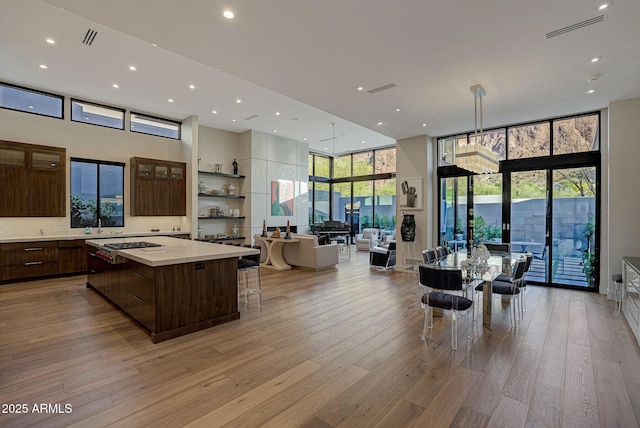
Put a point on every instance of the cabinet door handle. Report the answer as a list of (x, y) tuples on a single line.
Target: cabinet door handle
[(92, 254), (33, 249), (32, 263), (137, 274), (138, 298)]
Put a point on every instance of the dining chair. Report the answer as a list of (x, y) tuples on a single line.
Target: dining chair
[(429, 256), (441, 252), (508, 288), (444, 289), (522, 284)]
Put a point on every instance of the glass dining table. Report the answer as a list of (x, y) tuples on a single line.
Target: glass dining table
[(475, 275)]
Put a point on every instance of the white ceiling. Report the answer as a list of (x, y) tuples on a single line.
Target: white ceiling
[(305, 59)]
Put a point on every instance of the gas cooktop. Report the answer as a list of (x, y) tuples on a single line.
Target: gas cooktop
[(131, 245)]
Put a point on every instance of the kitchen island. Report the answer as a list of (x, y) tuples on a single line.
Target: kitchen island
[(171, 289)]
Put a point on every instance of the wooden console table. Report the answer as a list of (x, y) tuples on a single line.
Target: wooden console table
[(275, 260)]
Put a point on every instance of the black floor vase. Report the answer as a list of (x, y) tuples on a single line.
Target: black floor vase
[(408, 228)]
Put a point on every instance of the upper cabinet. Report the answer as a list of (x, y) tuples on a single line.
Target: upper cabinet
[(158, 188), (33, 180)]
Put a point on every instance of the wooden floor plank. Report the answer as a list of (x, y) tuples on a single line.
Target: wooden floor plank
[(331, 348), (580, 401)]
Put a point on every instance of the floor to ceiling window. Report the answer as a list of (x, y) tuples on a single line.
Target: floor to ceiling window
[(544, 200), (357, 188)]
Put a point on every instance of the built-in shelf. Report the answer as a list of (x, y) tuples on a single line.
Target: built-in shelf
[(210, 195), (219, 174), (219, 217)]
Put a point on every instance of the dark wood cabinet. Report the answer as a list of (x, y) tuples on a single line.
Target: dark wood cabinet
[(47, 188), (30, 259), (158, 188), (141, 294), (71, 256), (33, 180)]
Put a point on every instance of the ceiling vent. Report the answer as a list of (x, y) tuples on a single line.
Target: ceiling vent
[(89, 37), (381, 88), (573, 27), (251, 117)]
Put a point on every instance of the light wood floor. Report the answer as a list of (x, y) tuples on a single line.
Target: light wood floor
[(338, 348)]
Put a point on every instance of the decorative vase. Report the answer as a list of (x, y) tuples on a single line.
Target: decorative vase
[(231, 189), (202, 187), (408, 228)]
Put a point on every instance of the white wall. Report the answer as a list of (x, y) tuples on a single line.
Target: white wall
[(623, 202), (414, 158), (274, 158), (91, 142)]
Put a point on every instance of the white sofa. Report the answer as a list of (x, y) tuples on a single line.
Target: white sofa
[(306, 253), (366, 240)]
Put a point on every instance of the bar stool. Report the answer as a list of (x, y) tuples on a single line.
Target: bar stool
[(617, 282), (247, 265)]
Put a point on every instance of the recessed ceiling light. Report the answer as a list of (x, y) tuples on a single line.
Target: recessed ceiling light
[(238, 100), (51, 41), (30, 106), (596, 59), (154, 45), (170, 100), (304, 139), (360, 88), (275, 131), (115, 85), (233, 120), (277, 113), (132, 68), (379, 123), (591, 91), (43, 66), (228, 14), (593, 77), (326, 148), (424, 124), (214, 111), (604, 6), (363, 141), (397, 109), (192, 86)]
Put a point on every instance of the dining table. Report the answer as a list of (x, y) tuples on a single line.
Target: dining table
[(497, 265)]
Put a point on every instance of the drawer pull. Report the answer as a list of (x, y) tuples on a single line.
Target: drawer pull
[(33, 249), (32, 263), (137, 274)]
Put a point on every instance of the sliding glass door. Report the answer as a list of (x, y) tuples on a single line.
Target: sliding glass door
[(574, 224), (528, 222)]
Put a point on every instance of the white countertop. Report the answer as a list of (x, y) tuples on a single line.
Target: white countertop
[(105, 235), (175, 251)]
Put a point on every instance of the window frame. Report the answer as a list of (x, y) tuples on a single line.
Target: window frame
[(36, 92), (104, 106), (98, 163), (156, 119)]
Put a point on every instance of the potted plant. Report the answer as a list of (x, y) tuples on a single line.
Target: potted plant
[(589, 266), (458, 232)]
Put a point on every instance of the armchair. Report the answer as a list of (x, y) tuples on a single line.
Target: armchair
[(383, 258), (366, 240)]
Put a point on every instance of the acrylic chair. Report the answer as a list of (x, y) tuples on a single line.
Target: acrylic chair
[(247, 265), (444, 289), (508, 288)]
